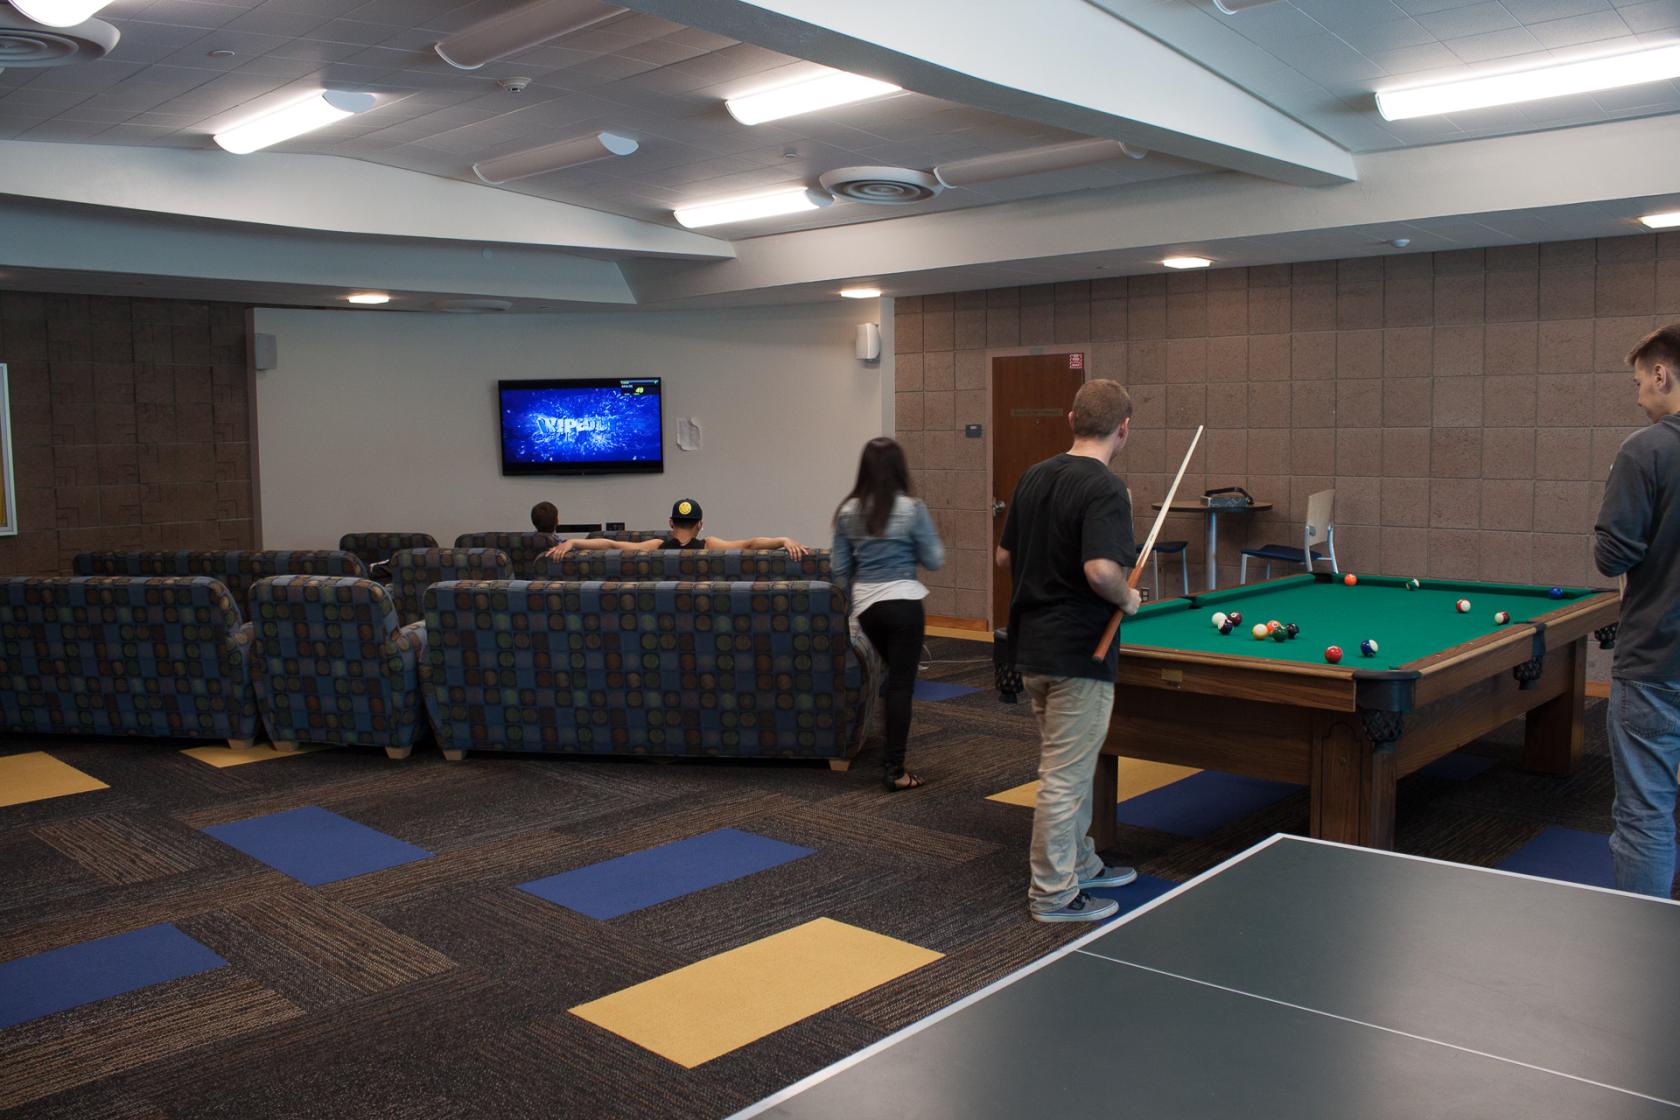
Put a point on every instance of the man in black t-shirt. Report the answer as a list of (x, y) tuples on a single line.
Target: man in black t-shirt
[(1067, 541)]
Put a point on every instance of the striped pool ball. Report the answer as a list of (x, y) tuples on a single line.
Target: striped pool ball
[(1368, 648), (1333, 654), (1412, 585), (1464, 606), (1500, 618)]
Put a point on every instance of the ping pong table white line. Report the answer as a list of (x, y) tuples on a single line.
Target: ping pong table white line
[(946, 1012), (1385, 1030), (1478, 867)]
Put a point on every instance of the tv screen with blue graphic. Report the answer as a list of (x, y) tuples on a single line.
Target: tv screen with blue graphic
[(604, 425)]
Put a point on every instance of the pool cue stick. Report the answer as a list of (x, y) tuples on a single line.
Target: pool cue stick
[(1148, 545)]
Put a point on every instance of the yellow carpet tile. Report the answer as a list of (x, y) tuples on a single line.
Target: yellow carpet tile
[(223, 757), (706, 1009), (1136, 778), (37, 775)]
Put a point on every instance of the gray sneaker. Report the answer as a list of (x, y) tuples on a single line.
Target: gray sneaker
[(1083, 908), (1109, 877)]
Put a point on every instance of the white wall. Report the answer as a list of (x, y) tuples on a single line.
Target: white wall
[(388, 421)]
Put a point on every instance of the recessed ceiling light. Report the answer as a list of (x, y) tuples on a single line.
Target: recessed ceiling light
[(1186, 262), (861, 293), (1556, 79), (369, 298), (808, 96), (59, 13), (745, 209), (315, 111), (1667, 220)]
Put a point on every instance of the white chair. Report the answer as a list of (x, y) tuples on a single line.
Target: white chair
[(1319, 530)]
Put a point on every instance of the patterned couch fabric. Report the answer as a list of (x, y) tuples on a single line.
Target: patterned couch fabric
[(701, 565), (630, 535), (331, 664), (415, 569), (522, 548), (375, 548), (738, 669), (162, 656), (238, 569)]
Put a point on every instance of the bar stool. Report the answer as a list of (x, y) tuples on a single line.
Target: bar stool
[(1171, 547)]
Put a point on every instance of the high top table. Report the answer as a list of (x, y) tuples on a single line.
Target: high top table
[(1212, 513)]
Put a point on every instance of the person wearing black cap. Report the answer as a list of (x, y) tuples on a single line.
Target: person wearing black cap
[(686, 533)]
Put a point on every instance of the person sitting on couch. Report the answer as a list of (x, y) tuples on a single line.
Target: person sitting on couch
[(686, 527)]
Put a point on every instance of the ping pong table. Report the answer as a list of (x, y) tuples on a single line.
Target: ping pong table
[(1306, 979)]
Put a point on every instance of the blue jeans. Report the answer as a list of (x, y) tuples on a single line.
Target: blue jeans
[(1644, 724)]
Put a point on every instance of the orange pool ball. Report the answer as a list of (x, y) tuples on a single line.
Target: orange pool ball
[(1350, 579)]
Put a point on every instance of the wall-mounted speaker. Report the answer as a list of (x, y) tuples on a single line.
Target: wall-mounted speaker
[(265, 352), (868, 342)]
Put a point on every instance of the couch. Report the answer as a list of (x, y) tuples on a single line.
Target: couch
[(376, 548), (237, 569), (722, 669), (522, 548), (683, 564), (415, 569), (332, 664), (166, 656)]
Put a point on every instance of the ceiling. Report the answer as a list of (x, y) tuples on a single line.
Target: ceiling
[(1264, 142)]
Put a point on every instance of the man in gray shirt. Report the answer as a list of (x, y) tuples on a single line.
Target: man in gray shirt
[(1637, 537)]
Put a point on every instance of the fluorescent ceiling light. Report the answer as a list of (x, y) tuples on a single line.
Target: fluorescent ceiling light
[(745, 209), (1232, 7), (806, 97), (59, 13), (861, 293), (372, 299), (1554, 80), (1186, 262), (553, 157), (525, 27), (315, 111), (1668, 220)]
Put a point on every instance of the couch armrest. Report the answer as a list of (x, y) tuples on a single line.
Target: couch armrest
[(407, 651)]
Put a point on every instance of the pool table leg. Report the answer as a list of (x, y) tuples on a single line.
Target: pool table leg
[(1352, 783), (1552, 732), (1105, 793)]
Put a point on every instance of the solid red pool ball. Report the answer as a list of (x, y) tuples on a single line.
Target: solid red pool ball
[(1350, 579), (1333, 654)]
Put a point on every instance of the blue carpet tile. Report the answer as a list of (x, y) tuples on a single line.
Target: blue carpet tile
[(1567, 854), (1458, 767), (1139, 891), (642, 879), (315, 846), (1201, 803), (939, 690), (64, 978)]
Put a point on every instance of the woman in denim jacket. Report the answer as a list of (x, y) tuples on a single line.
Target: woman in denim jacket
[(880, 534)]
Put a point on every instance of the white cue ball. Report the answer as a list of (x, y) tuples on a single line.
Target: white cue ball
[(1218, 619)]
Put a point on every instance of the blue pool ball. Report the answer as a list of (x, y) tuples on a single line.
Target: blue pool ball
[(1368, 648), (1556, 592)]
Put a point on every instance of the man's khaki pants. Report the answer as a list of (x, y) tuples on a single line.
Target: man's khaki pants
[(1072, 723)]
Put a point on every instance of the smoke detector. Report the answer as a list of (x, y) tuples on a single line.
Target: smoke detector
[(26, 44), (882, 186), (472, 306)]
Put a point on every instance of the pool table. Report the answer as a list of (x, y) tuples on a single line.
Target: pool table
[(1187, 694)]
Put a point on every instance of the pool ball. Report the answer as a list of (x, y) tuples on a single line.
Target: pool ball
[(1333, 654), (1412, 585), (1225, 627), (1463, 606), (1273, 624), (1368, 648), (1235, 617), (1280, 635), (1218, 619), (1294, 630), (1350, 579), (1500, 618), (1556, 592), (1260, 631)]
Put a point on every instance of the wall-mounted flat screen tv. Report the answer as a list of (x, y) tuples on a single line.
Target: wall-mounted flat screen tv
[(597, 425)]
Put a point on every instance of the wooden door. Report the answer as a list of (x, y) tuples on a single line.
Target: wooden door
[(1031, 397)]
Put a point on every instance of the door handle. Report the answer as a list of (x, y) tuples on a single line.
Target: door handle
[(998, 505)]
